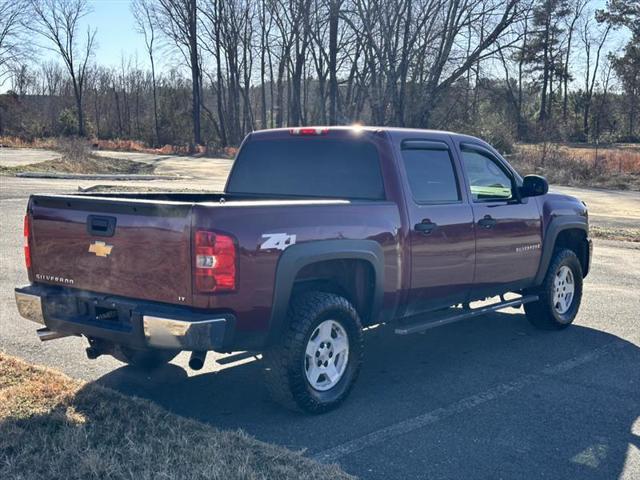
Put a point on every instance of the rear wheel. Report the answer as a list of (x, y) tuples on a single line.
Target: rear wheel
[(560, 293), (318, 359), (143, 359)]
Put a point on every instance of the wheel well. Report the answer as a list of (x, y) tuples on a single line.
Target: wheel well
[(351, 278), (575, 239)]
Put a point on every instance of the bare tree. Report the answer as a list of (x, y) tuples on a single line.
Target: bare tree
[(578, 11), (334, 19), (462, 64), (57, 21), (591, 37), (178, 20), (516, 63), (144, 14), (12, 45)]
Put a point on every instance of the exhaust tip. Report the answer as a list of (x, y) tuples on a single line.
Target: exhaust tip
[(196, 361), (44, 334)]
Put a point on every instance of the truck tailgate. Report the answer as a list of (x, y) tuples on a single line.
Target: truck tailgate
[(133, 248)]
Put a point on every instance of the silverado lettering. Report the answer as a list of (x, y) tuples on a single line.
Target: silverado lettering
[(54, 279)]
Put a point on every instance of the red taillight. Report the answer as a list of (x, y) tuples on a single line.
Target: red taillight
[(308, 131), (27, 249), (214, 262)]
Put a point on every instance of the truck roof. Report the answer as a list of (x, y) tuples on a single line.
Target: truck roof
[(393, 131)]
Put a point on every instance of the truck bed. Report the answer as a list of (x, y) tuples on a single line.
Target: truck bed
[(148, 255)]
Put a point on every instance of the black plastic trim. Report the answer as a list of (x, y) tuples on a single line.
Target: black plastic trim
[(420, 144), (296, 257), (113, 205), (557, 225)]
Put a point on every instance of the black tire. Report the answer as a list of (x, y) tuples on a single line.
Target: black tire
[(286, 362), (143, 359), (543, 313)]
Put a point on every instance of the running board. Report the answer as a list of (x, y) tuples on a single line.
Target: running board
[(452, 317)]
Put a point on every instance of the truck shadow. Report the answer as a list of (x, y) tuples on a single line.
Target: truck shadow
[(504, 395)]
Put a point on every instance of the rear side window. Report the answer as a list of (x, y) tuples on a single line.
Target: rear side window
[(308, 167), (431, 176)]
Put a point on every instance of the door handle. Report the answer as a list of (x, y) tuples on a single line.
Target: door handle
[(425, 227), (487, 222)]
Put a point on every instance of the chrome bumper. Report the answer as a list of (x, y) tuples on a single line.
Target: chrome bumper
[(200, 335), (30, 307), (182, 330)]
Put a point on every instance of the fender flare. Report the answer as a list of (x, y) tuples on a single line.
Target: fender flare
[(298, 256), (557, 225)]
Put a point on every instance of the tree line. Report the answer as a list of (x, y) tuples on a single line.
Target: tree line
[(504, 69)]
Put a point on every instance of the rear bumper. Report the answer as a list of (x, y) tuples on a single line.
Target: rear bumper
[(124, 321)]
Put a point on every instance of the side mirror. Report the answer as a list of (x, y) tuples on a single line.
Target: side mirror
[(533, 186)]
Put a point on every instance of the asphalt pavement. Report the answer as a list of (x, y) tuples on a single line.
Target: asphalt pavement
[(487, 398)]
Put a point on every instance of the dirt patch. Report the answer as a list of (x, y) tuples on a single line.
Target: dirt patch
[(612, 233), (76, 158), (135, 189), (52, 426)]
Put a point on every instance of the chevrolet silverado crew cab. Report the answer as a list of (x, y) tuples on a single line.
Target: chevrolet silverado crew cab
[(319, 233)]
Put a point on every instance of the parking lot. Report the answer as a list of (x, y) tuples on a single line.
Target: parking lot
[(487, 398)]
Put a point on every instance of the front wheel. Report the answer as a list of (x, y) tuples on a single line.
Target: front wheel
[(317, 361), (560, 293)]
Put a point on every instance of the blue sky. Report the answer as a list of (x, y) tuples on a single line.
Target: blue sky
[(117, 33)]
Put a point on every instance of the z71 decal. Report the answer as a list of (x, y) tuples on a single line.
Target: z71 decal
[(279, 241)]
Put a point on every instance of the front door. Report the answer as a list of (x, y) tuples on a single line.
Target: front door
[(441, 236), (508, 230)]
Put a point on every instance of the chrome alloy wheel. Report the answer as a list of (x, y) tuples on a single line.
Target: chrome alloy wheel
[(563, 290), (326, 355)]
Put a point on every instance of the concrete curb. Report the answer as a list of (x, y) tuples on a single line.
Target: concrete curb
[(97, 176)]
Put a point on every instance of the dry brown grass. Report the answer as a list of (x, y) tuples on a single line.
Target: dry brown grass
[(137, 146), (87, 165), (616, 167), (52, 426), (121, 145), (124, 145), (17, 142), (613, 233)]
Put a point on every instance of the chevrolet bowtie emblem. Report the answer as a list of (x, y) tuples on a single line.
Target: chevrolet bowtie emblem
[(101, 249)]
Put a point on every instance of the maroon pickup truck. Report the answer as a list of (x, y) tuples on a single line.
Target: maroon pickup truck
[(320, 232)]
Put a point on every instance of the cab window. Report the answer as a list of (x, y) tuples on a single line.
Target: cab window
[(431, 175), (487, 178)]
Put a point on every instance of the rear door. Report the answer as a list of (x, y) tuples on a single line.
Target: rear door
[(508, 230), (139, 249), (441, 226)]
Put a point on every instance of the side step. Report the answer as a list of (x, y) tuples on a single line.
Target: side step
[(458, 314)]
